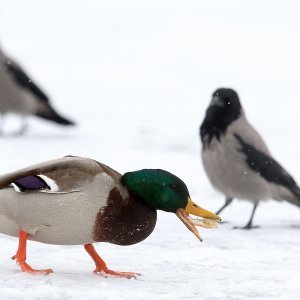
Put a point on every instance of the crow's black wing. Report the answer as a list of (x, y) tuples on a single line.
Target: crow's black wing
[(267, 167)]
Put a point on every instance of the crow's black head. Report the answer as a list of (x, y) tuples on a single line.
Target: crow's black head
[(224, 108)]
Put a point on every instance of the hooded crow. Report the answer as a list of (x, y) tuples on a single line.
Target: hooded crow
[(236, 159)]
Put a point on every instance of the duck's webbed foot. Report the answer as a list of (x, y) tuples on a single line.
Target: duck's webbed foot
[(101, 267), (110, 273), (20, 257)]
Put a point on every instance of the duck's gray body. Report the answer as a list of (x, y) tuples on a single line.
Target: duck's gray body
[(67, 213), (20, 95)]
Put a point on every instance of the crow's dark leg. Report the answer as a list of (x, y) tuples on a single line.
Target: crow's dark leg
[(228, 201), (249, 224)]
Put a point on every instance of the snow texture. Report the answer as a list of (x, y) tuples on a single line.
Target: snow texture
[(137, 76)]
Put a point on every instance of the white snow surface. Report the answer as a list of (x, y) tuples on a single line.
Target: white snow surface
[(137, 76)]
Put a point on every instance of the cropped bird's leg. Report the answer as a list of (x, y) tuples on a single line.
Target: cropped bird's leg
[(2, 123), (23, 127), (20, 257), (227, 202), (101, 267)]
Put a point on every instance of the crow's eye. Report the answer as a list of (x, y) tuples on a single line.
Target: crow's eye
[(227, 102)]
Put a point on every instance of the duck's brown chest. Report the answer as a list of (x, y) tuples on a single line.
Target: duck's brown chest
[(124, 223)]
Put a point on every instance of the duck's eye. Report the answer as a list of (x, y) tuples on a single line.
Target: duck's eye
[(174, 186)]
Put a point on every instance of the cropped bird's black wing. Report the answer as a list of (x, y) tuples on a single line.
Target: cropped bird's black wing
[(23, 80), (44, 109)]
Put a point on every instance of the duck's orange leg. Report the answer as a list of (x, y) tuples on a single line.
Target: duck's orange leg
[(20, 257), (101, 267)]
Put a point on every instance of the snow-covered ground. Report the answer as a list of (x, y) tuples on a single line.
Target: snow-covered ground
[(137, 75)]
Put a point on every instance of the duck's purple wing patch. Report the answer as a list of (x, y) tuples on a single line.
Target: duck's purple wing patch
[(31, 183)]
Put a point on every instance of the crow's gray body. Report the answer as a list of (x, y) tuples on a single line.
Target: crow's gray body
[(229, 172)]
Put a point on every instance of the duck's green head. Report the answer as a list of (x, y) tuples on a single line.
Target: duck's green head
[(164, 191)]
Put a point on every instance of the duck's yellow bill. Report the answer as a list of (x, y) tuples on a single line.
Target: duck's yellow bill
[(208, 220)]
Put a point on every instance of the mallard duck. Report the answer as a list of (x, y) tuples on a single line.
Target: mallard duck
[(20, 95), (79, 201)]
